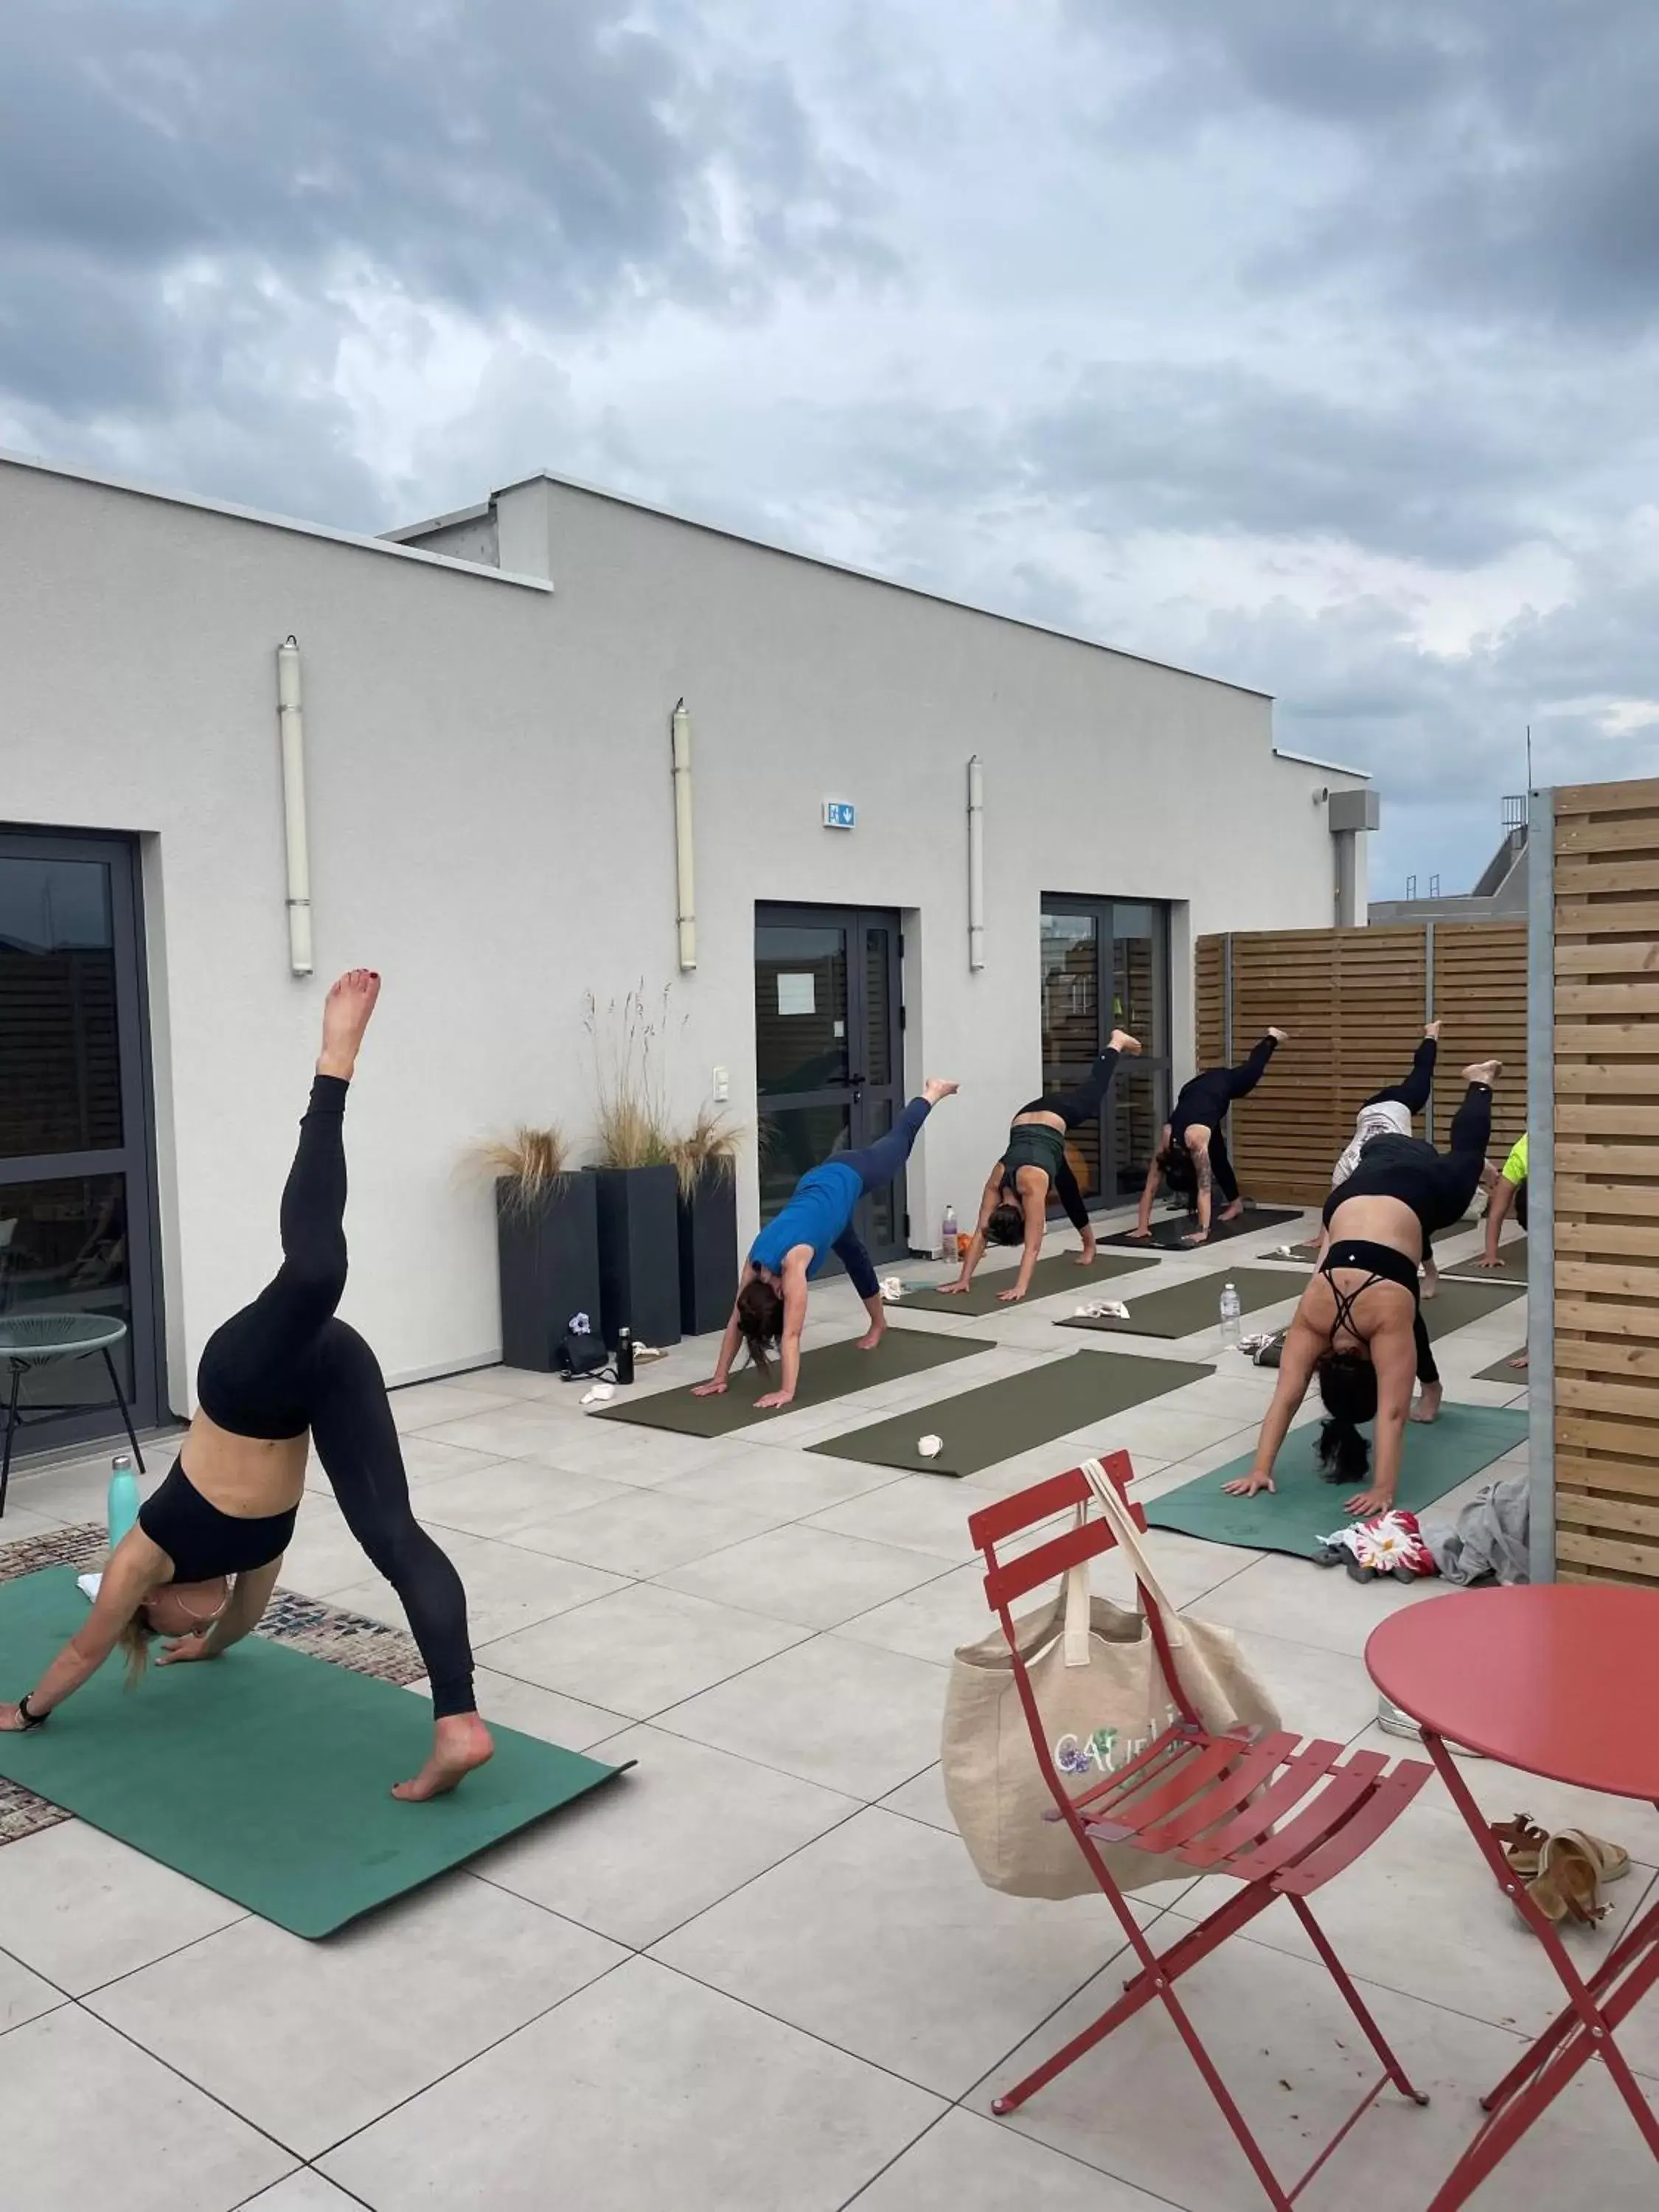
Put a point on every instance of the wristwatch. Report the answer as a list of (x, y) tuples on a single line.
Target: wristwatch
[(30, 1720)]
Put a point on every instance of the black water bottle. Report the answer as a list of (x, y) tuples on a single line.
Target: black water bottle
[(624, 1355)]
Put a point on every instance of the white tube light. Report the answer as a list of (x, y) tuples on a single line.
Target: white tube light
[(686, 904), (291, 721), (975, 863)]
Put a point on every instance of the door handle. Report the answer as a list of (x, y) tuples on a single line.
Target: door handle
[(858, 1083)]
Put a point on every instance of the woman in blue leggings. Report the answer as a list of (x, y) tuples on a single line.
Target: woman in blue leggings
[(771, 1307)]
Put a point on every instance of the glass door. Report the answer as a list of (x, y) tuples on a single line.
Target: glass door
[(829, 1058), (75, 1176), (1104, 965)]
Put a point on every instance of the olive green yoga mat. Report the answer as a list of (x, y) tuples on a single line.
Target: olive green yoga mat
[(265, 1775), (1170, 1233), (1501, 1371), (1303, 1507), (999, 1420), (1049, 1279), (834, 1370), (1183, 1309), (1512, 1269)]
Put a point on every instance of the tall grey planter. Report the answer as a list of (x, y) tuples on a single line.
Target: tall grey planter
[(639, 1253), (549, 1269), (709, 1252)]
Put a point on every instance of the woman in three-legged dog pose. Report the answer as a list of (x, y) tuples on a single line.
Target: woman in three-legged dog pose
[(203, 1561), (1360, 1327), (1014, 1208), (1192, 1152), (818, 1220), (1389, 1113)]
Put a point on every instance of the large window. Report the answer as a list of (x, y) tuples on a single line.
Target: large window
[(1105, 965)]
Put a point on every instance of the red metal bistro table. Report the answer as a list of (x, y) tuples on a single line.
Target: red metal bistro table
[(1562, 1679)]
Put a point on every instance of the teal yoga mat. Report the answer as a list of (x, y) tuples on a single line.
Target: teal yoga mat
[(266, 1775), (1438, 1456)]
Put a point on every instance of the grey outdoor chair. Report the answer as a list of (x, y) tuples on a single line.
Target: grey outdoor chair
[(35, 1340)]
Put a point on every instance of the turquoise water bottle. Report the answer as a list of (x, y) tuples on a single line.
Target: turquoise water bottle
[(123, 1499)]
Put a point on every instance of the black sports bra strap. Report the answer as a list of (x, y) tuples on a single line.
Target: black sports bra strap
[(1346, 1300)]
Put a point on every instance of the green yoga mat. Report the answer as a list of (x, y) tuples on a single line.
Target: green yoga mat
[(1169, 1233), (266, 1775), (1183, 1308), (1501, 1371), (1513, 1254), (834, 1370), (1304, 1507), (1049, 1279), (999, 1420)]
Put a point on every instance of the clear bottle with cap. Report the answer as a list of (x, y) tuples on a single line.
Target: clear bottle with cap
[(948, 1235), (1231, 1309)]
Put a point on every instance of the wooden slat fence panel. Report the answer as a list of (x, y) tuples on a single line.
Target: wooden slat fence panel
[(1355, 1002), (1606, 1182)]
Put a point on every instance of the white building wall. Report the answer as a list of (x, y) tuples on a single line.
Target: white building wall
[(492, 827)]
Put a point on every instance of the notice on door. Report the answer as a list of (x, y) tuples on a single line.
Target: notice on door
[(798, 994)]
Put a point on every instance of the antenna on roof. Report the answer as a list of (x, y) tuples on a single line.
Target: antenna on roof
[(1529, 756)]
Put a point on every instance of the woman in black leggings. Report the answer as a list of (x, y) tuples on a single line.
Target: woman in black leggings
[(203, 1559), (1014, 1206), (1360, 1327), (1192, 1152)]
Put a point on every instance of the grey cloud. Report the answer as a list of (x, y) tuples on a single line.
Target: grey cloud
[(190, 186), (1507, 150)]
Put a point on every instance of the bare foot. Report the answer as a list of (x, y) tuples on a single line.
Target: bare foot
[(1123, 1041), (1231, 1213), (1427, 1407), (936, 1088), (460, 1742), (1432, 1029), (868, 1343), (1484, 1071), (1280, 1036), (1431, 1282), (345, 1017)]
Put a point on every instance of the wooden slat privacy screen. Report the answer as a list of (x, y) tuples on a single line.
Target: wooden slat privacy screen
[(1605, 1183), (1355, 1002)]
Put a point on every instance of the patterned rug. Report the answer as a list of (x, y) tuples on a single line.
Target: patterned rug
[(344, 1639)]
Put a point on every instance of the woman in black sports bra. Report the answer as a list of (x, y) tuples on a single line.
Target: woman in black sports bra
[(1014, 1207), (284, 1373), (1360, 1327)]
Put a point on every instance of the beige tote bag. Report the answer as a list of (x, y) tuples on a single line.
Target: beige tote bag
[(1100, 1688)]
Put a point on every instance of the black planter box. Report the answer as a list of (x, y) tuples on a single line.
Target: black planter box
[(639, 1253), (709, 1253), (549, 1267)]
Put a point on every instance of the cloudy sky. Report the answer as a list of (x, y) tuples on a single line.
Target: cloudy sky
[(1310, 342)]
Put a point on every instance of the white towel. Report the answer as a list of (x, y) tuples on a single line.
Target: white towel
[(89, 1586)]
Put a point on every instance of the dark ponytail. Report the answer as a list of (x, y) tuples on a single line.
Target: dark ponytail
[(1348, 1384), (760, 1321)]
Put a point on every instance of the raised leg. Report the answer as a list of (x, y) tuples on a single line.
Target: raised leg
[(1413, 1091)]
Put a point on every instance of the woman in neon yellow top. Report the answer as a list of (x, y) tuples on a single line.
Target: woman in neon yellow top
[(1510, 1195)]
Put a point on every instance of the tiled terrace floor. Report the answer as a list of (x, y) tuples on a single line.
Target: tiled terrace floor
[(759, 1975)]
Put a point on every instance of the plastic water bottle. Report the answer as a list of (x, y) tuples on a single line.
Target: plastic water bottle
[(1230, 1311), (948, 1234), (123, 1498)]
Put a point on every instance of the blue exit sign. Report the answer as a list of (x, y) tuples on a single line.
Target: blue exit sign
[(840, 814)]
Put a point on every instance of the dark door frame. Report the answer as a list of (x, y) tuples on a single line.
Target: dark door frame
[(1101, 909), (135, 1158), (861, 1096)]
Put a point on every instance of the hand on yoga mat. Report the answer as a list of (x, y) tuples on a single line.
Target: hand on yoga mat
[(773, 1398), (1138, 1235), (708, 1389), (184, 1648), (1009, 1297), (953, 1290), (1247, 1485), (11, 1721), (1369, 1503)]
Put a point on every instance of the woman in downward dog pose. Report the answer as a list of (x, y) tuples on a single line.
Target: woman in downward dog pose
[(1014, 1209), (818, 1220), (1192, 1152), (1360, 1327), (1388, 1114), (203, 1561)]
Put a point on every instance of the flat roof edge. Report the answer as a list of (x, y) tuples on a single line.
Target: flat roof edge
[(863, 575), (226, 507), (1331, 768)]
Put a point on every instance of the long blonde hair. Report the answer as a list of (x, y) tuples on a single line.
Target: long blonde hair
[(136, 1642)]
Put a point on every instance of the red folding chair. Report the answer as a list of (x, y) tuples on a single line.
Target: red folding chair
[(1280, 1815)]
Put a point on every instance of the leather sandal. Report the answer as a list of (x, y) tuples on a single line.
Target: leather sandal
[(1522, 1841), (1573, 1868)]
